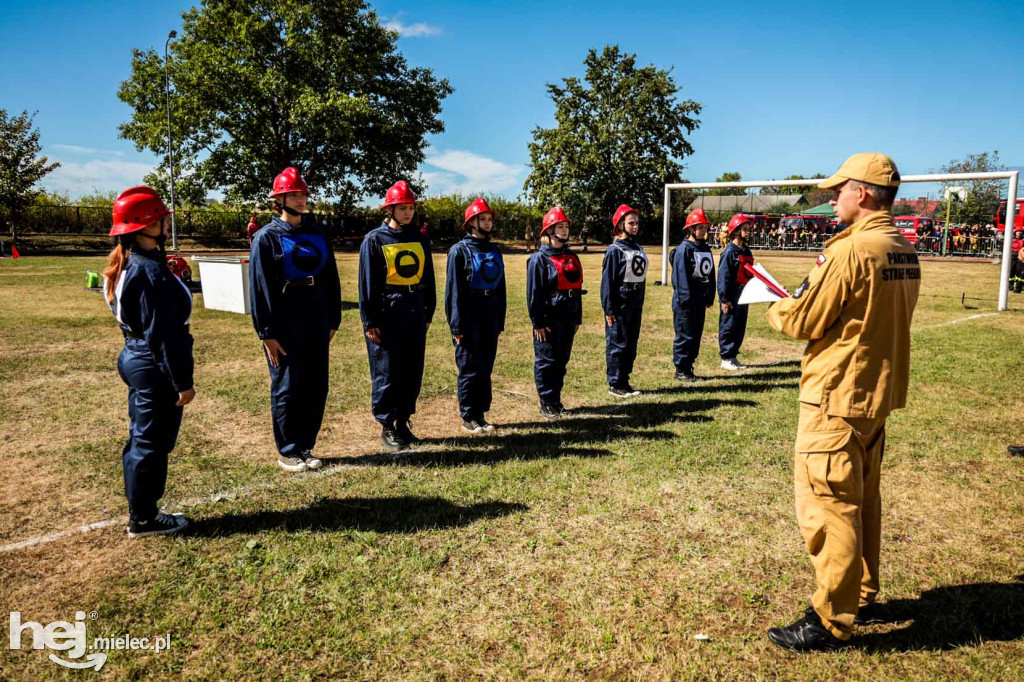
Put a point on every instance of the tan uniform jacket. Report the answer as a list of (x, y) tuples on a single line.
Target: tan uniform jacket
[(856, 314)]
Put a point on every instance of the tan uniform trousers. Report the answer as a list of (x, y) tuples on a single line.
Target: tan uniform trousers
[(839, 509)]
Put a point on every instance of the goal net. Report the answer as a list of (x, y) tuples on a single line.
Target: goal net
[(796, 230)]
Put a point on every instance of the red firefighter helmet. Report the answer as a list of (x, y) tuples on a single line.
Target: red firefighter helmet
[(136, 208), (551, 218), (736, 221), (399, 193), (287, 181), (620, 213), (478, 207), (697, 217)]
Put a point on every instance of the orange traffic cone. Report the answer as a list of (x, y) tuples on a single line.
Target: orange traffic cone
[(14, 252)]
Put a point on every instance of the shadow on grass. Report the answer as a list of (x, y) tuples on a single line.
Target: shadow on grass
[(575, 435), (754, 382), (381, 515), (953, 616)]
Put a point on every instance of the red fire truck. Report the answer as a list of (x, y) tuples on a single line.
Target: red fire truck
[(1018, 223)]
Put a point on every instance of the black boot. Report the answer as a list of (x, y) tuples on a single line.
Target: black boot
[(806, 634), (403, 427), (549, 411), (390, 439), (1016, 450), (686, 375)]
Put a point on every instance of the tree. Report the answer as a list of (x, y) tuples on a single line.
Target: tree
[(21, 167), (620, 135), (727, 191), (983, 196), (260, 86), (793, 189), (903, 207)]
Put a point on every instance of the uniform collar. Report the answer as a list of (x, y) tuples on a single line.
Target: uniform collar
[(550, 249), (872, 221), (284, 224), (153, 254)]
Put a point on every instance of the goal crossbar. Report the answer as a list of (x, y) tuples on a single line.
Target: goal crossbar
[(1011, 210)]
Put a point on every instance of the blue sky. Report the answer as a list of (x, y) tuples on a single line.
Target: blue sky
[(786, 87)]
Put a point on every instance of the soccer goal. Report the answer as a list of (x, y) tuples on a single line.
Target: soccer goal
[(1009, 222)]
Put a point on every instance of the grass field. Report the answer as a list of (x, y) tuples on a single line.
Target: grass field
[(596, 547)]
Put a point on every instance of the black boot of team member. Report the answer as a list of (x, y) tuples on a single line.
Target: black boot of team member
[(806, 634), (549, 411), (390, 439)]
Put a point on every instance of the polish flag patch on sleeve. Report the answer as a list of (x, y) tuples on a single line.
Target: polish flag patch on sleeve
[(821, 260)]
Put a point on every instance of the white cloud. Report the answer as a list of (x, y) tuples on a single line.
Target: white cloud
[(464, 172), (412, 30), (83, 178), (75, 149)]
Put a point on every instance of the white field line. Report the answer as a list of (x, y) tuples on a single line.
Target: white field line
[(327, 471)]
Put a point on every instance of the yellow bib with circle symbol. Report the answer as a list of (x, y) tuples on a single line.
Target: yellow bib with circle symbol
[(405, 262)]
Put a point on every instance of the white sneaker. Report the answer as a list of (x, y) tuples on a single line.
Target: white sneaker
[(732, 364), (312, 462)]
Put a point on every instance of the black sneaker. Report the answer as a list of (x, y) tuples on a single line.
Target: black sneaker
[(632, 391), (310, 460), (488, 427), (619, 392), (404, 430), (163, 524), (390, 439), (806, 634), (549, 411), (685, 375), (472, 425), (1016, 450)]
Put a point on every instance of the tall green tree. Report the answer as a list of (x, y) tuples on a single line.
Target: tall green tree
[(727, 191), (794, 189), (620, 135), (983, 196), (259, 85), (21, 167)]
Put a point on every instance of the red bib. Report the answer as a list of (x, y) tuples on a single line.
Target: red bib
[(742, 276), (570, 272)]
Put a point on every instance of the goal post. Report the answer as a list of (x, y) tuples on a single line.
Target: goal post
[(1011, 211)]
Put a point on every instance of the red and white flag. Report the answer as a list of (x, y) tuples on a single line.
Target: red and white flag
[(762, 287)]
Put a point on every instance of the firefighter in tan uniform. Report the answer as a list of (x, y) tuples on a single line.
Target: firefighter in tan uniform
[(854, 309)]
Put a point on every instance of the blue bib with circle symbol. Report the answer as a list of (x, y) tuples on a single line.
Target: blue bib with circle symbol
[(488, 270), (304, 255)]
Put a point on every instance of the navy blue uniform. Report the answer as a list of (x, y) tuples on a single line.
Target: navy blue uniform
[(693, 271), (295, 298), (397, 296), (623, 282), (732, 326), (153, 308), (554, 280), (474, 303)]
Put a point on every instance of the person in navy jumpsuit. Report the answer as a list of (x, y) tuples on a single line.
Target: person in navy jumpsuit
[(397, 299), (732, 277), (554, 281), (623, 282), (693, 271), (474, 304), (295, 299), (153, 308)]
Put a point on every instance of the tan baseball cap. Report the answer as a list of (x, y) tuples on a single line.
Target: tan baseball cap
[(870, 167)]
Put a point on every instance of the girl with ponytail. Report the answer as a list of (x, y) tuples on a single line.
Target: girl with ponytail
[(153, 308)]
